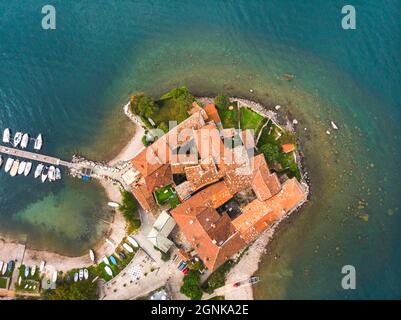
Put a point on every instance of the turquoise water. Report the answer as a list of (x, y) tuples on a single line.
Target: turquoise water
[(70, 84)]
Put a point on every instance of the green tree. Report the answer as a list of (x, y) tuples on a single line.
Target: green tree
[(271, 152), (147, 107), (81, 290), (191, 286), (129, 209), (134, 102), (222, 101)]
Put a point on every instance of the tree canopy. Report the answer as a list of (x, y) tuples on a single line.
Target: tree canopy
[(222, 101), (129, 209), (191, 286), (271, 152), (143, 106), (81, 290)]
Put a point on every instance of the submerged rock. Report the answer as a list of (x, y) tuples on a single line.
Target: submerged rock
[(364, 217)]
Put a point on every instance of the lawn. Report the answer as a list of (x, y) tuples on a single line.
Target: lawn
[(167, 194), (3, 283), (250, 119), (229, 118), (273, 135)]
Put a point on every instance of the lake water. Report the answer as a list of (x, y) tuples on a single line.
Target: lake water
[(71, 83)]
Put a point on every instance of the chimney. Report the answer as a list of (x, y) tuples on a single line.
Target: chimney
[(191, 221)]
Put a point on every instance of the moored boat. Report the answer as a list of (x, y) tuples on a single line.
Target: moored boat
[(54, 277), (6, 135), (45, 173), (92, 255), (113, 204), (127, 247), (133, 241), (1, 160), (38, 142), (76, 276), (52, 173), (58, 174), (333, 125), (38, 170), (10, 266), (4, 269), (8, 165), (108, 270), (1, 265), (25, 141), (113, 260), (81, 274), (14, 168), (28, 169), (33, 270), (106, 261), (21, 167), (42, 266), (86, 274), (26, 272), (17, 139)]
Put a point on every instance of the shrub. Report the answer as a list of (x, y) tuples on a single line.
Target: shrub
[(129, 209), (191, 286), (222, 101)]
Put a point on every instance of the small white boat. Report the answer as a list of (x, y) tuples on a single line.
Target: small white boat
[(19, 280), (106, 261), (14, 168), (1, 160), (28, 169), (58, 174), (81, 274), (1, 265), (133, 241), (92, 255), (33, 270), (9, 164), (6, 135), (45, 173), (38, 142), (38, 170), (128, 248), (113, 204), (52, 173), (42, 266), (108, 270), (21, 167), (54, 277), (25, 141), (333, 125), (86, 274), (17, 139), (76, 276), (4, 270), (26, 273)]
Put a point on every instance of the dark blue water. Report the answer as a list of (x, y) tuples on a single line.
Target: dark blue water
[(70, 84)]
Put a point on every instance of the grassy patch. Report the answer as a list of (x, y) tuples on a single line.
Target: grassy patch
[(217, 298), (167, 194), (3, 283), (250, 119), (229, 118), (274, 137)]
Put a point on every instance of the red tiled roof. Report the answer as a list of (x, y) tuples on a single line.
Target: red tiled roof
[(258, 215), (159, 178), (265, 184), (288, 147), (212, 113), (144, 197)]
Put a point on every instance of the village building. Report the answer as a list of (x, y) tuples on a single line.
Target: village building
[(213, 175)]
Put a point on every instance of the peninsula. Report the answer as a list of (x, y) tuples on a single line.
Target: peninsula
[(202, 180)]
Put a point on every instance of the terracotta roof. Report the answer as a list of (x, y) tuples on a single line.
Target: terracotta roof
[(144, 197), (146, 161), (258, 215), (212, 236), (212, 113), (265, 184), (180, 161), (184, 190), (209, 143), (159, 178), (202, 174), (288, 147)]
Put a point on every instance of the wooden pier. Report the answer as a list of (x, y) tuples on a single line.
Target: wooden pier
[(36, 157)]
